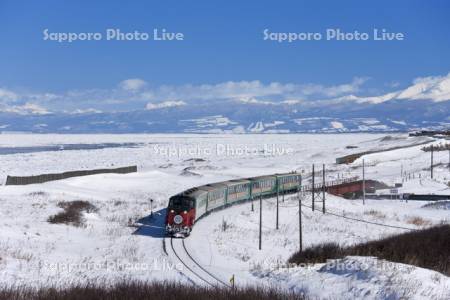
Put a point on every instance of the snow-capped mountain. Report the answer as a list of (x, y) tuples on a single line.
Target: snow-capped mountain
[(232, 116), (241, 107)]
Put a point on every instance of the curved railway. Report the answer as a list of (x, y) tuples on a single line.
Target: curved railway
[(192, 269), (189, 206)]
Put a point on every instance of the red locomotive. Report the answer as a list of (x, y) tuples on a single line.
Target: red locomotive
[(180, 215)]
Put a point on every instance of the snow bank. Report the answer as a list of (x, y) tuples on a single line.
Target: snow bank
[(361, 278)]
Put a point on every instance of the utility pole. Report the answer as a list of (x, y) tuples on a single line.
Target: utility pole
[(151, 208), (323, 188), (278, 188), (251, 196), (364, 182), (313, 187), (431, 168), (260, 215), (300, 217)]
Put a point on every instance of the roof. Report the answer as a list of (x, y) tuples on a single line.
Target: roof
[(236, 182), (213, 186), (258, 178), (193, 192), (287, 174)]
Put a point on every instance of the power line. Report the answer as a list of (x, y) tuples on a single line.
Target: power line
[(349, 218), (364, 221)]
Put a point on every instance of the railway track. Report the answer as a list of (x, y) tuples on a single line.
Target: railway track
[(192, 268)]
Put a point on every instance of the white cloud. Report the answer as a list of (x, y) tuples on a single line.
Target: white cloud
[(292, 101), (133, 84), (266, 102), (86, 111), (134, 94), (245, 90), (26, 109), (166, 104), (7, 95), (255, 101)]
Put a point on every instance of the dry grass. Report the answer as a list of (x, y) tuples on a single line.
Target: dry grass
[(143, 291), (428, 248), (418, 221), (375, 213), (72, 214)]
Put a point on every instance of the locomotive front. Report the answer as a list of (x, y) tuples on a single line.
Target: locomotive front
[(180, 215)]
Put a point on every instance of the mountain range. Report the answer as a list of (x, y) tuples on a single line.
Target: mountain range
[(247, 107)]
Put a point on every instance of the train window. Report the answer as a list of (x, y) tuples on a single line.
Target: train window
[(181, 203)]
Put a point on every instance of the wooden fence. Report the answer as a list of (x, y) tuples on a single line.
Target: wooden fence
[(23, 180)]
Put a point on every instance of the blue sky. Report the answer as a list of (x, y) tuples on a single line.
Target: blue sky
[(223, 42)]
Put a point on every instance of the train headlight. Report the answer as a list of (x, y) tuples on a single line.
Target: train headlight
[(172, 211), (185, 211), (178, 219)]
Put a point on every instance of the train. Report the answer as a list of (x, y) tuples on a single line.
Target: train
[(187, 207)]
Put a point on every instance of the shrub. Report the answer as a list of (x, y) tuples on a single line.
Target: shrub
[(428, 248), (72, 214), (375, 213), (143, 290), (418, 221)]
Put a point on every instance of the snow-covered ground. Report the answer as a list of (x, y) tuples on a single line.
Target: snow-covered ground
[(35, 252)]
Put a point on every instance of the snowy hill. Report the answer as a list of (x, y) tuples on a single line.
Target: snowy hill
[(106, 248), (238, 117)]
